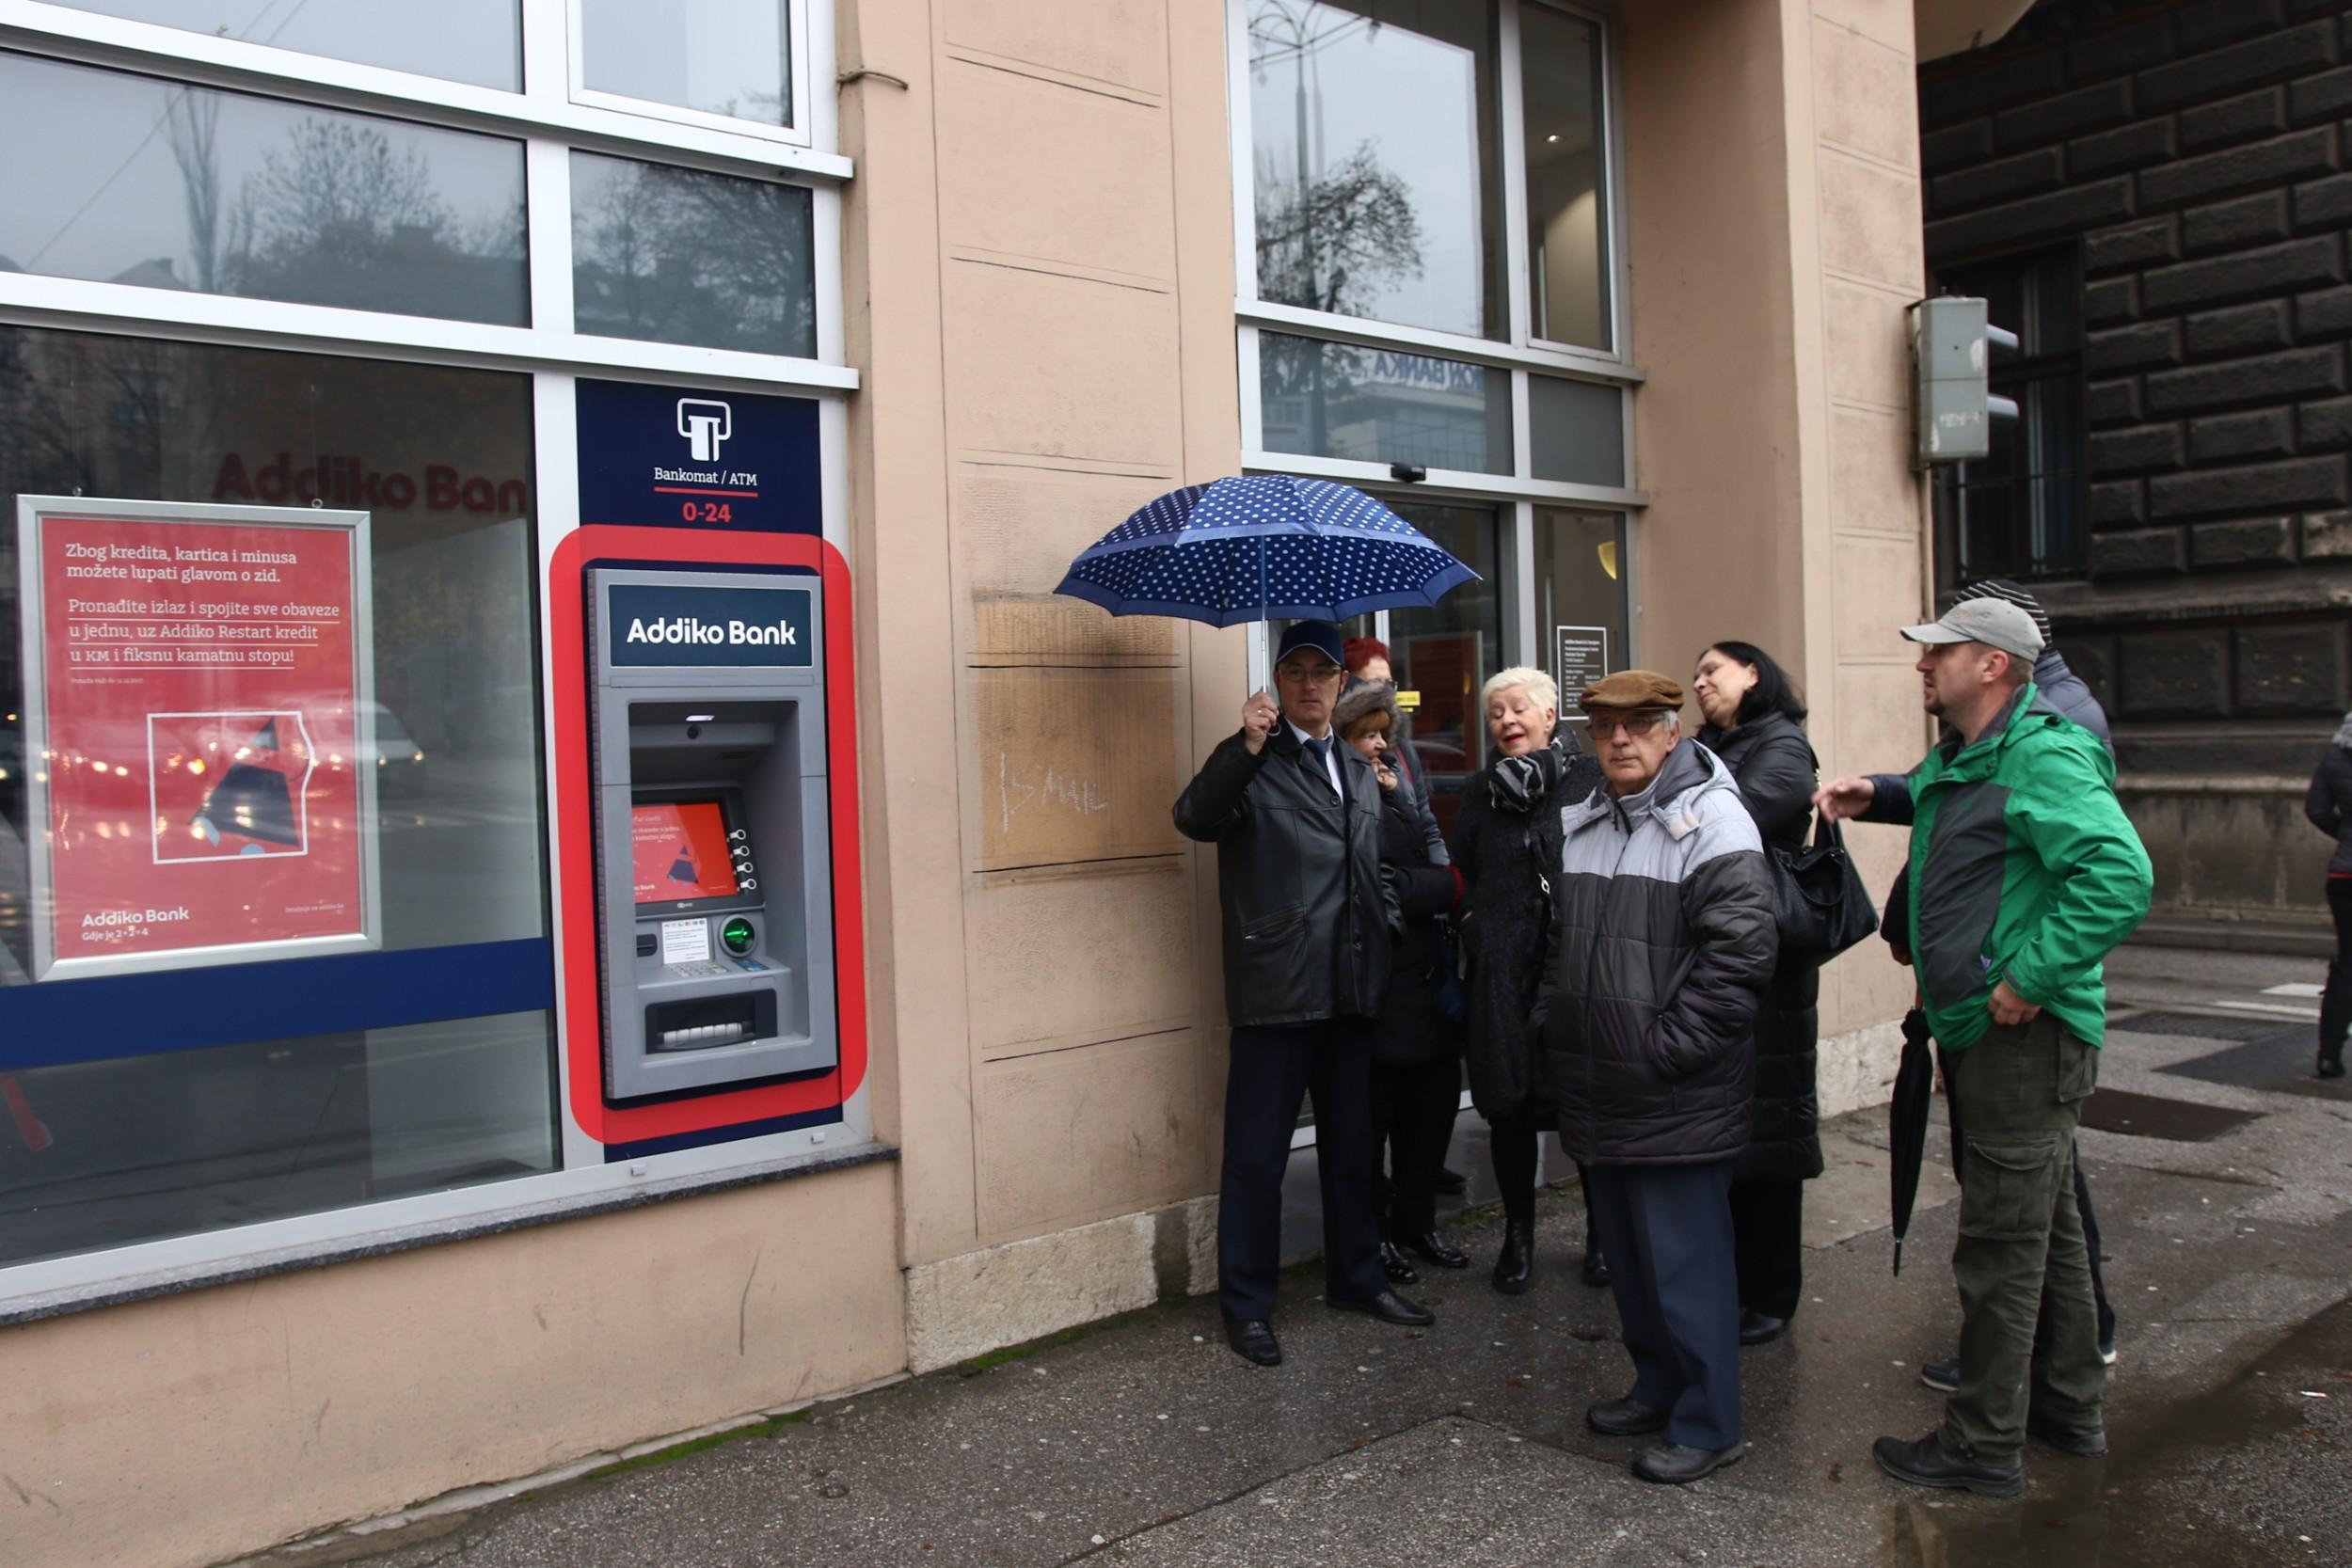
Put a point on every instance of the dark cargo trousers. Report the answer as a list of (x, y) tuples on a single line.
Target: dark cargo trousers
[(2022, 1259)]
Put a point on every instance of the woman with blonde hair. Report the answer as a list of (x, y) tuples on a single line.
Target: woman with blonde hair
[(1506, 848)]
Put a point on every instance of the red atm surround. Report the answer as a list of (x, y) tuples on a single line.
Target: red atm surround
[(575, 821)]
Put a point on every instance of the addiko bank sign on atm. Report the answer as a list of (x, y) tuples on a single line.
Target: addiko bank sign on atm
[(705, 775)]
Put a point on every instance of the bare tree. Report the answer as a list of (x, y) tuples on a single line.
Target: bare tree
[(193, 121)]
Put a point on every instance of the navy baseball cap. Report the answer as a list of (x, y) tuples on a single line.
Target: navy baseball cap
[(1322, 636)]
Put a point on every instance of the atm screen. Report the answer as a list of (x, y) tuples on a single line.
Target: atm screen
[(680, 851)]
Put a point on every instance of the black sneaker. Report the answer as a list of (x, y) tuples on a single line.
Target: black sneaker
[(1928, 1463), (1942, 1376)]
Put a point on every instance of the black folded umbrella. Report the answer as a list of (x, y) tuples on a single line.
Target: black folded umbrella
[(1907, 1122)]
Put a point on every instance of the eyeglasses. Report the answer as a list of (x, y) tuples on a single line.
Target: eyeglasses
[(1635, 726), (1302, 672)]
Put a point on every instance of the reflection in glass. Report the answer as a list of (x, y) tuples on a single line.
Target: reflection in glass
[(1580, 598), (730, 58), (1382, 405), (180, 187), (1575, 431), (458, 41), (1445, 653), (673, 255), (442, 460), (142, 1147), (1567, 236), (1378, 190)]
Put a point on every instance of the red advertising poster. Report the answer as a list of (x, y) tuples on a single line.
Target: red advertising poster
[(202, 719), (680, 851)]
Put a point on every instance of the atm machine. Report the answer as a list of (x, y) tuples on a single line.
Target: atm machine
[(713, 830)]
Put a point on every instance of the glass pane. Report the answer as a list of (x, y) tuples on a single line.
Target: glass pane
[(1567, 233), (1380, 406), (1378, 188), (1576, 431), (673, 255), (179, 187), (458, 41), (143, 1147), (1580, 598), (1445, 653), (728, 57), (442, 460)]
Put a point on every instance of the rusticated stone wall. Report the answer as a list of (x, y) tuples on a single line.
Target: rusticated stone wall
[(2198, 155)]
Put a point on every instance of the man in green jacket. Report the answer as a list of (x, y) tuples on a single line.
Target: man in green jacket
[(2025, 873)]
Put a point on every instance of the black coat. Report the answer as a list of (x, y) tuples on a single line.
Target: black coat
[(1305, 915), (1503, 856), (2329, 805), (1410, 1032), (1774, 766)]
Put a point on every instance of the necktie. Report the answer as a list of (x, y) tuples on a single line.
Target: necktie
[(1322, 750)]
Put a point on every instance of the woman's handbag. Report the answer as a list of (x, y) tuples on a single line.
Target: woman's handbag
[(1819, 897)]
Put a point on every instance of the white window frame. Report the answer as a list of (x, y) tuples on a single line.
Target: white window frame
[(798, 133), (1518, 353), (551, 125)]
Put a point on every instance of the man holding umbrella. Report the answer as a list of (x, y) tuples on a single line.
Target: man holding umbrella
[(1296, 818), (2025, 874)]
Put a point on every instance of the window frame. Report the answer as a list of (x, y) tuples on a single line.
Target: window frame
[(2009, 375), (551, 125), (797, 134), (1518, 353)]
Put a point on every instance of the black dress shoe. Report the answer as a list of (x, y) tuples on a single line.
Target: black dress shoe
[(1387, 1307), (1398, 1267), (1928, 1463), (2331, 1067), (1453, 1184), (1761, 1328), (1624, 1419), (1438, 1250), (2082, 1442), (1679, 1464), (1595, 1269), (1516, 1264), (1253, 1340)]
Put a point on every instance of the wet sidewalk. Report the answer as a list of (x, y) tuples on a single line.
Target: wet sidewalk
[(1145, 1441)]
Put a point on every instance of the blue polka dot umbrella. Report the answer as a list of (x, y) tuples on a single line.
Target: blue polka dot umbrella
[(1264, 548)]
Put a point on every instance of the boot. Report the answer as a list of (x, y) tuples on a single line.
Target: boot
[(1516, 1264)]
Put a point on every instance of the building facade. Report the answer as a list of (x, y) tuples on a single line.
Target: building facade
[(2154, 197), (391, 1180)]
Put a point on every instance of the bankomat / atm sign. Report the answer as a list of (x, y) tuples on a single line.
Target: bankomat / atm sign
[(748, 628)]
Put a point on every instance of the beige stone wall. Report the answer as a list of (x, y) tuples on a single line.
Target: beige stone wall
[(187, 1429), (1042, 226), (1774, 222)]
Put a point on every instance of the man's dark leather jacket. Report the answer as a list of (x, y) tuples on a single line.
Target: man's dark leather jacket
[(1306, 915)]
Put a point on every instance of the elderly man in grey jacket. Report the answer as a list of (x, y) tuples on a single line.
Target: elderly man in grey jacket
[(1663, 938)]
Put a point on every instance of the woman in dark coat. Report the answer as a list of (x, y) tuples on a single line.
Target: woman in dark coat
[(1414, 1098), (1506, 842), (1755, 725), (2329, 807)]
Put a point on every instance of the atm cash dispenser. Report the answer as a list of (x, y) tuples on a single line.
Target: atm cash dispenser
[(714, 867)]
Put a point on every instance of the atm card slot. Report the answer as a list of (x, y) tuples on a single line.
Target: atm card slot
[(704, 1021)]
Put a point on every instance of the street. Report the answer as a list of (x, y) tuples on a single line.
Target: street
[(2223, 1175)]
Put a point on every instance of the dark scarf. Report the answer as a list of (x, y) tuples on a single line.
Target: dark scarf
[(1518, 785)]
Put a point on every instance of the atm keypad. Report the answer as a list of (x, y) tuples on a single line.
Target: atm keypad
[(704, 971)]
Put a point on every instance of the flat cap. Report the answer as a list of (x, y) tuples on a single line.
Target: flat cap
[(1633, 689)]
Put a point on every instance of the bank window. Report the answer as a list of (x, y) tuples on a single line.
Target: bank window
[(678, 256), (2019, 512), (734, 63), (162, 185), (1562, 94), (478, 41), (190, 789), (1382, 405)]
